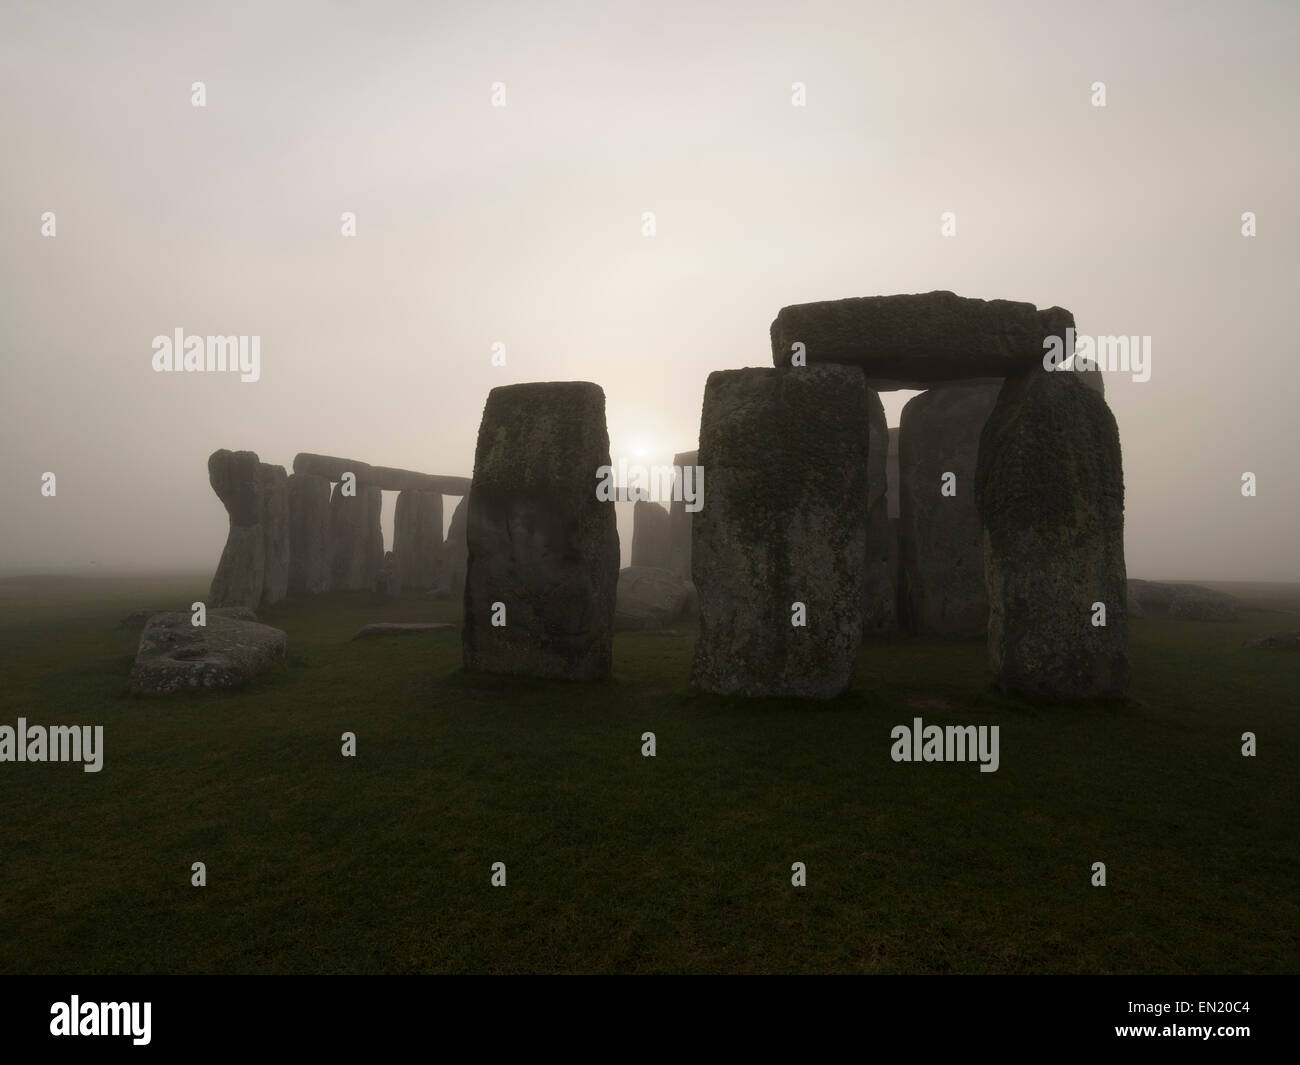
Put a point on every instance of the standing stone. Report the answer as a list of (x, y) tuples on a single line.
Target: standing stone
[(309, 527), (356, 538), (274, 486), (235, 477), (417, 539), (879, 596), (784, 522), (651, 543), (1049, 486), (891, 472), (941, 549), (689, 477), (454, 554), (542, 544)]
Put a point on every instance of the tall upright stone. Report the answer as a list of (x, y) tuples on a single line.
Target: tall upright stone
[(356, 538), (891, 474), (941, 579), (879, 595), (680, 515), (417, 539), (309, 528), (236, 478), (651, 542), (779, 548), (543, 548), (274, 489), (453, 556), (1049, 486)]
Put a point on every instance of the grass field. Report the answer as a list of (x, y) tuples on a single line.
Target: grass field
[(617, 862)]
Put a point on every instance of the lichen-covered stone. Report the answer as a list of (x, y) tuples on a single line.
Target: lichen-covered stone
[(1050, 491), (941, 545), (540, 541), (784, 522), (175, 655), (912, 341), (651, 544)]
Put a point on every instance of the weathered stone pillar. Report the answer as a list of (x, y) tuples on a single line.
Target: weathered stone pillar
[(274, 488), (779, 547), (356, 538), (309, 527), (879, 595), (679, 518), (651, 543), (454, 554), (236, 478), (543, 548), (941, 580), (417, 539), (1050, 490)]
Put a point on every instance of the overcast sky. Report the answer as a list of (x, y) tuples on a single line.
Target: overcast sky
[(522, 225)]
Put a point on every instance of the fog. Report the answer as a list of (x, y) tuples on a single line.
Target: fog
[(522, 225)]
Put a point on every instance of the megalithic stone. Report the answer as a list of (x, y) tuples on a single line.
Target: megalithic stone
[(651, 542), (879, 595), (356, 538), (387, 478), (453, 555), (913, 341), (309, 529), (942, 589), (235, 477), (417, 539), (679, 516), (543, 546), (1049, 486), (892, 472), (779, 547), (274, 486)]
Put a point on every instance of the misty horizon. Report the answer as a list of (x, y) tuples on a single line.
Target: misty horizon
[(522, 225)]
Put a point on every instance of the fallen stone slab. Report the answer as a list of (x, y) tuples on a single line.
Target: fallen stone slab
[(918, 340), (1277, 641), (1189, 602), (175, 655), (650, 597), (137, 619), (400, 628)]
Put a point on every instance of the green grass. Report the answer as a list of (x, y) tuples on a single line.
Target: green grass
[(319, 863)]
